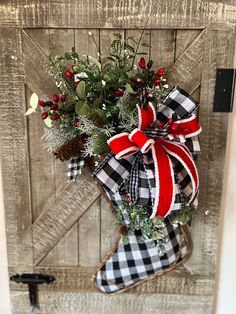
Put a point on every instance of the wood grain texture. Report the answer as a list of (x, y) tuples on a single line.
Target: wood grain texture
[(162, 48), (183, 39), (115, 13), (109, 231), (60, 215), (211, 162), (36, 68), (41, 163), (186, 70), (98, 303), (14, 150), (75, 279), (89, 235)]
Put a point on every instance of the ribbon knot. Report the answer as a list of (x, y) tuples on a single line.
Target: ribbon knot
[(125, 144)]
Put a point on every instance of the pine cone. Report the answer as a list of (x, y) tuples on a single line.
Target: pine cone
[(123, 230), (71, 148)]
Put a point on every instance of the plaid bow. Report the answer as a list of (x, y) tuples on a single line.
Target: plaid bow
[(139, 170), (74, 168)]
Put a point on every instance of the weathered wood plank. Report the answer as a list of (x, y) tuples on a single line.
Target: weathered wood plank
[(116, 13), (71, 279), (186, 71), (89, 236), (162, 48), (60, 41), (183, 39), (41, 163), (211, 162), (60, 215), (94, 303), (109, 232), (41, 38), (67, 248), (36, 69), (84, 42), (14, 154)]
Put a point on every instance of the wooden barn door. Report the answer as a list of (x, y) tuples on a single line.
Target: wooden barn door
[(64, 229)]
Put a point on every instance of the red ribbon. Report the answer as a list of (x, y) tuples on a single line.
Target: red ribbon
[(125, 144)]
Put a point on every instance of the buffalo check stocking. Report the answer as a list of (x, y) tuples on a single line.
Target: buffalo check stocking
[(130, 263)]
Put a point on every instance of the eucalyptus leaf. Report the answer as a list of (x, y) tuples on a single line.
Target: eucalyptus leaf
[(94, 61), (78, 106), (85, 109), (80, 90)]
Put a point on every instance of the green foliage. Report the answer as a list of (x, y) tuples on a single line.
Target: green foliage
[(152, 229), (91, 84), (80, 90)]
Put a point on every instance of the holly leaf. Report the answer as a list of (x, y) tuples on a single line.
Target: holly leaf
[(80, 90)]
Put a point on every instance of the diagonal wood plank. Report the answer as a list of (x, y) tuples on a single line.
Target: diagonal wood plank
[(186, 71), (60, 215), (36, 68)]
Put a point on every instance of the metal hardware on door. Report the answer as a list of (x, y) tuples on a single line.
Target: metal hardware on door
[(32, 280), (224, 90)]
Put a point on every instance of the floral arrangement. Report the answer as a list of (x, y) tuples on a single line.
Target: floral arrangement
[(137, 134)]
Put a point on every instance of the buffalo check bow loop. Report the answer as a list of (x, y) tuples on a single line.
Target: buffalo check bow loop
[(125, 144)]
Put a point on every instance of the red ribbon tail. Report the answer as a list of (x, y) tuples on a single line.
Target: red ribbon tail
[(181, 153), (164, 175)]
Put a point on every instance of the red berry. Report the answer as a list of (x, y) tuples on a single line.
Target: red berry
[(63, 98), (54, 106), (142, 63), (161, 72), (170, 121), (160, 124), (119, 92), (76, 84), (44, 115), (41, 103), (76, 123), (69, 74), (55, 98), (157, 82), (55, 116)]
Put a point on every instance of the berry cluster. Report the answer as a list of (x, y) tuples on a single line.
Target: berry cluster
[(53, 108)]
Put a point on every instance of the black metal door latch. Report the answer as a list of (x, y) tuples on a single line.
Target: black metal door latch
[(33, 280), (224, 90)]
